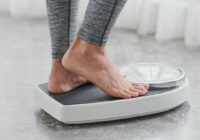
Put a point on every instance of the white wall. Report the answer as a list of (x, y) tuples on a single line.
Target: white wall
[(4, 5), (166, 19), (37, 8), (28, 8)]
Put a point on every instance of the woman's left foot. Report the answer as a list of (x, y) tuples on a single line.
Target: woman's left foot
[(61, 80)]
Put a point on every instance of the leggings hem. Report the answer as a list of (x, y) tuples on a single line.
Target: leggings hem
[(91, 40), (57, 56), (91, 35)]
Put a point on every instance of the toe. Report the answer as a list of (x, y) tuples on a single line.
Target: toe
[(120, 94), (132, 92), (141, 92), (144, 85), (140, 87), (125, 95)]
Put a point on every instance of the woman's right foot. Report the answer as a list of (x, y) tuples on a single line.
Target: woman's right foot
[(92, 63)]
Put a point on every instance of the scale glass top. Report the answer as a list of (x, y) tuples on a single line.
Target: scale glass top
[(155, 74)]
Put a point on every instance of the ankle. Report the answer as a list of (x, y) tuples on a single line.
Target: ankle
[(56, 63), (88, 49), (57, 74), (57, 68)]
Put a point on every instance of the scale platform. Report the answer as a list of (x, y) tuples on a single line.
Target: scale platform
[(88, 103)]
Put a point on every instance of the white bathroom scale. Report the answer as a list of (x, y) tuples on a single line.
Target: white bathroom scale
[(87, 103)]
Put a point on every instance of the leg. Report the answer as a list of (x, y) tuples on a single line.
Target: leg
[(87, 56), (62, 16)]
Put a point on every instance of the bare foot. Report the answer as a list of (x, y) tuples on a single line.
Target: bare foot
[(61, 80), (92, 63)]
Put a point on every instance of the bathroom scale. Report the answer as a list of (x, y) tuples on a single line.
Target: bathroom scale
[(87, 103)]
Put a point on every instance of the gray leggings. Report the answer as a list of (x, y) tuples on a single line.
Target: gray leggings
[(99, 18)]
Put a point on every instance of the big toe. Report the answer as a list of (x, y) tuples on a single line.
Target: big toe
[(140, 88), (144, 85)]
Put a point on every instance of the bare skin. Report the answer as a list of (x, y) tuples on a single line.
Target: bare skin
[(61, 80), (92, 63)]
